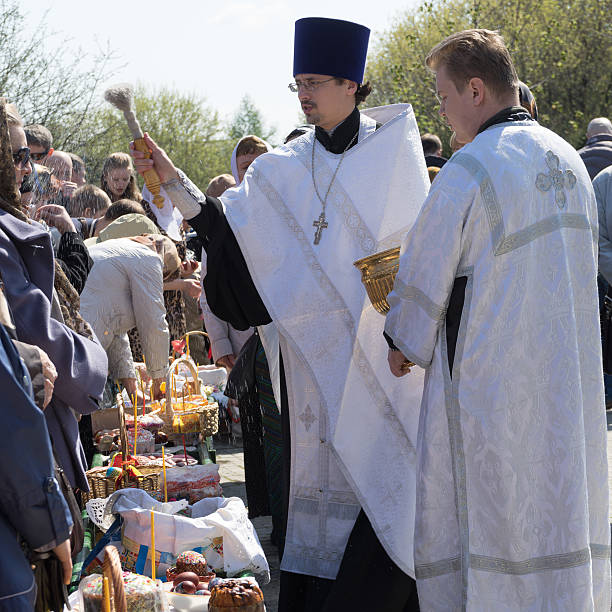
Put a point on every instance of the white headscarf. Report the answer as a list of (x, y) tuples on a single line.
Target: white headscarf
[(234, 164)]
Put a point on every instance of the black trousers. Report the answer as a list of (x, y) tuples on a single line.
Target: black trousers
[(367, 581)]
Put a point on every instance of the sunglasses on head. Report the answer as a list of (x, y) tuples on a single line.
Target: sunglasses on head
[(22, 157), (39, 156)]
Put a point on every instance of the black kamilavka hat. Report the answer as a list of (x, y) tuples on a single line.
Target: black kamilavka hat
[(330, 46)]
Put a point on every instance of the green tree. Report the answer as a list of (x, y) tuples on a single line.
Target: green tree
[(562, 50), (57, 88), (182, 124), (248, 120)]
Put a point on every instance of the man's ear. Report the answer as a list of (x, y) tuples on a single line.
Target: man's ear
[(477, 88), (352, 88)]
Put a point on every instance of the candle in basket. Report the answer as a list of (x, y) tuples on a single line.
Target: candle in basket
[(106, 607), (135, 426), (152, 545), (142, 384), (187, 345), (164, 470)]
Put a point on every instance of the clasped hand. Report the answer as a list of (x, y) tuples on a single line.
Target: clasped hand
[(398, 364), (55, 216), (159, 160)]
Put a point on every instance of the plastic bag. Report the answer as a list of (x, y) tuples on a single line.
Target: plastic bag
[(224, 535)]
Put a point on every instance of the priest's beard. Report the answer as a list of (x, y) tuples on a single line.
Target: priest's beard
[(313, 118)]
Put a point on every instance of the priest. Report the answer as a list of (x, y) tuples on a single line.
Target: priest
[(280, 250), (496, 297)]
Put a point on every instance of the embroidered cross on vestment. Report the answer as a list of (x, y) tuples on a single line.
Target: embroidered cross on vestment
[(557, 179)]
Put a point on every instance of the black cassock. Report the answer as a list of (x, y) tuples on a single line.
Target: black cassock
[(367, 580)]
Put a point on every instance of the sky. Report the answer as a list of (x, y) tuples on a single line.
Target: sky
[(218, 49)]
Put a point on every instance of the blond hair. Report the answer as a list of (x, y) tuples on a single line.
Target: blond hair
[(220, 184), (88, 197), (479, 54), (123, 161)]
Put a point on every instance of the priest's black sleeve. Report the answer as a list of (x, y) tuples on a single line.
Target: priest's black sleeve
[(230, 291)]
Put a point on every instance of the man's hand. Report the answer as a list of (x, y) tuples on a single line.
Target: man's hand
[(227, 361), (141, 368), (398, 364), (156, 392), (62, 552), (49, 373), (158, 160), (189, 267), (130, 386), (55, 216), (68, 189), (191, 287)]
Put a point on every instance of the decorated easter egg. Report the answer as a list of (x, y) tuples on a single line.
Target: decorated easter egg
[(190, 576), (186, 587)]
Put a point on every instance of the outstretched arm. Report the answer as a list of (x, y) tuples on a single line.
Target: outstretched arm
[(230, 290)]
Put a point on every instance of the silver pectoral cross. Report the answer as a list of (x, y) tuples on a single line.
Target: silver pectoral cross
[(320, 224)]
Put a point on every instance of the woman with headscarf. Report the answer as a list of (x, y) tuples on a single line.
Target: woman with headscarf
[(45, 308), (33, 510)]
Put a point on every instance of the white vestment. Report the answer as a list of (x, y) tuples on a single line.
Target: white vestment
[(353, 425), (512, 498)]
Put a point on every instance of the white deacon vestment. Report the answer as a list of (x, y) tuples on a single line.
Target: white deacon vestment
[(353, 425), (512, 498)]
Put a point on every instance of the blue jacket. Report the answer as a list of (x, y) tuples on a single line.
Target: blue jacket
[(31, 503), (27, 269), (597, 154)]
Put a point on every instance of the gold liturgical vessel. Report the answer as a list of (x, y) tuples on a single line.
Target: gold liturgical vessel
[(378, 274)]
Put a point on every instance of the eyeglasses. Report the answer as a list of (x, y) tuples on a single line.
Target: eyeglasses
[(308, 84), (22, 157), (39, 156)]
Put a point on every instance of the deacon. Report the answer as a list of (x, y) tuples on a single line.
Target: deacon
[(285, 241), (496, 297)]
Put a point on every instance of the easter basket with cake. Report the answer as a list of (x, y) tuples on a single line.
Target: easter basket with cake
[(187, 409), (123, 591), (104, 481)]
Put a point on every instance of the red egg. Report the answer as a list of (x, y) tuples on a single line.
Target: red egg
[(202, 586), (189, 576), (185, 587)]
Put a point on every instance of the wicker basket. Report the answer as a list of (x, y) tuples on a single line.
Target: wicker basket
[(111, 569), (101, 486), (378, 274), (208, 414)]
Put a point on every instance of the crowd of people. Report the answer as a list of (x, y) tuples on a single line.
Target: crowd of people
[(456, 460)]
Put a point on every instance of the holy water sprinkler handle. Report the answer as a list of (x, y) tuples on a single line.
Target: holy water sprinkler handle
[(151, 178), (121, 96)]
